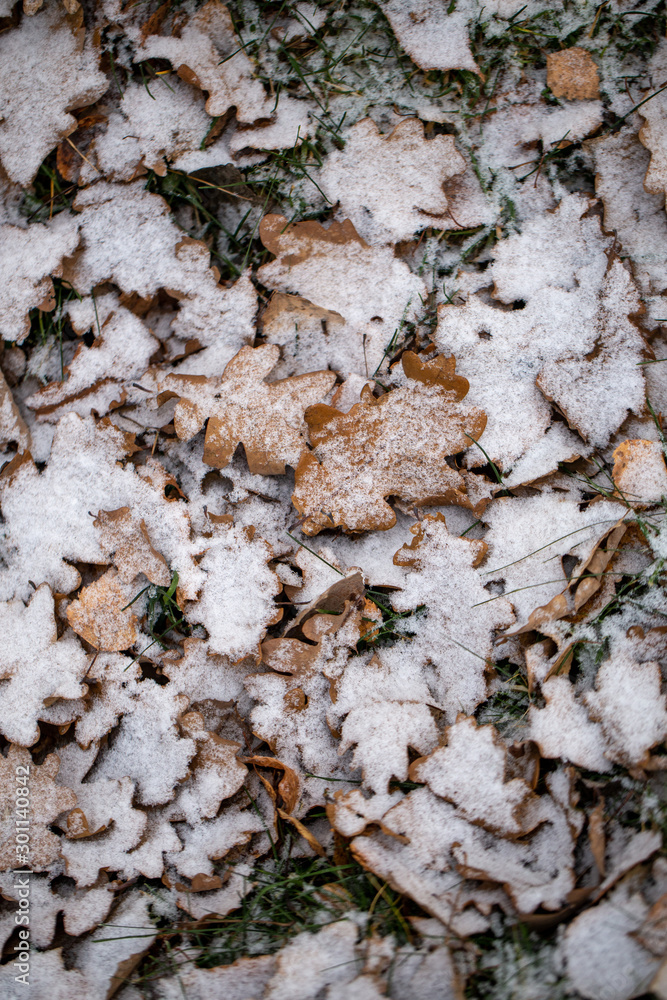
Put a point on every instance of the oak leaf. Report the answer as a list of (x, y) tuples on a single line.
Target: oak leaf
[(390, 186), (206, 53), (84, 474), (573, 331), (396, 445), (36, 667), (100, 614), (61, 63), (434, 36), (373, 292), (242, 408), (455, 638), (470, 772), (47, 800), (125, 539), (29, 259)]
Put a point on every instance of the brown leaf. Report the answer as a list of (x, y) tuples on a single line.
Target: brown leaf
[(100, 615), (125, 538), (639, 472), (242, 408), (596, 836), (288, 786), (396, 445), (47, 800), (572, 73)]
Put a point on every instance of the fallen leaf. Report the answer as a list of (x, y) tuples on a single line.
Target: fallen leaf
[(62, 66), (100, 615), (572, 73), (36, 667), (242, 408), (391, 186), (29, 259), (373, 291), (387, 446), (46, 802), (206, 53)]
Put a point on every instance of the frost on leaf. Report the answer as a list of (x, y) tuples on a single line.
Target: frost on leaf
[(124, 539), (94, 379), (434, 36), (48, 976), (47, 800), (470, 772), (147, 132), (202, 675), (373, 291), (53, 53), (311, 963), (639, 474), (390, 186), (36, 667), (628, 704), (126, 938), (82, 909), (633, 213), (456, 636), (396, 445), (386, 711), (84, 474), (572, 330), (216, 773), (603, 958), (100, 614), (426, 846), (241, 407), (129, 237), (110, 817), (207, 54), (652, 134), (572, 73), (528, 539), (210, 839), (29, 258), (295, 693), (236, 603), (148, 746), (309, 337), (563, 728)]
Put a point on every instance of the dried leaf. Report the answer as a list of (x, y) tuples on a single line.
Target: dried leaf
[(242, 408), (47, 800), (390, 186), (36, 667), (100, 614), (639, 472), (455, 638), (602, 958), (126, 540), (387, 446), (572, 73), (573, 331), (373, 291), (470, 772), (434, 36), (236, 602), (207, 54), (62, 67)]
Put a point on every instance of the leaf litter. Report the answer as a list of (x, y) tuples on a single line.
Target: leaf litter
[(334, 498)]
